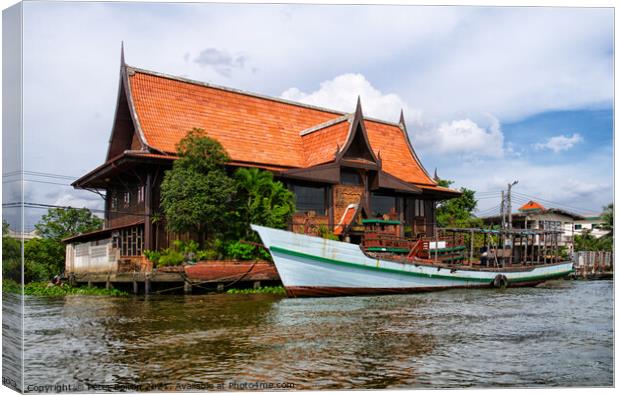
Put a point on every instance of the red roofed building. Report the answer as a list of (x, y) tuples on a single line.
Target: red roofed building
[(531, 206), (329, 159)]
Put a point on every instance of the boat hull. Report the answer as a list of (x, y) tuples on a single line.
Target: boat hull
[(313, 266)]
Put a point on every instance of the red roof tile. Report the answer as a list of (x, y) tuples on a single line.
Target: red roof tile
[(531, 205), (320, 146), (257, 129)]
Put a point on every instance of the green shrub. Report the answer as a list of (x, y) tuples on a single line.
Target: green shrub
[(245, 251), (170, 257), (326, 234), (152, 256), (279, 290), (240, 250)]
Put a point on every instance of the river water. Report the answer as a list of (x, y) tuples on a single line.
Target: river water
[(559, 334)]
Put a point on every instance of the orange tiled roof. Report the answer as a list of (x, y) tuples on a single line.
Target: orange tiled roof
[(258, 129), (531, 205), (320, 146)]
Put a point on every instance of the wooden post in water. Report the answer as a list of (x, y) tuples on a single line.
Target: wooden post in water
[(471, 248), (147, 284), (220, 287), (187, 287), (108, 285), (135, 287)]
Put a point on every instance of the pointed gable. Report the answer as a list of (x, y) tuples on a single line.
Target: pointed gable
[(124, 135), (357, 146)]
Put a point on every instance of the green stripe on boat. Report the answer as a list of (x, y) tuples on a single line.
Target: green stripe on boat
[(408, 273)]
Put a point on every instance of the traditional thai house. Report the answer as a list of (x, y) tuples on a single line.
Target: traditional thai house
[(329, 159)]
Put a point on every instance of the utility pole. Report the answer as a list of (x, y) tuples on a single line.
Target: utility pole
[(503, 211), (510, 204), (512, 240)]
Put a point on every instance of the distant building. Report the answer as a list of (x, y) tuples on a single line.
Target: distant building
[(534, 215), (25, 235), (593, 224)]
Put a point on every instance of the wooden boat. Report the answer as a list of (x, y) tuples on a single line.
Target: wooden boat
[(314, 266)]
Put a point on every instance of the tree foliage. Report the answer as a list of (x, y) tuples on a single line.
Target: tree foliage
[(196, 193), (60, 223), (11, 255), (43, 259), (587, 242), (198, 196), (608, 220), (458, 212), (260, 200)]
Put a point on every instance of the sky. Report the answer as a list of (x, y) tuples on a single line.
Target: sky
[(490, 94)]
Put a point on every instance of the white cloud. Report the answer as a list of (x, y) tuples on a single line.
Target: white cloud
[(463, 136), (341, 92), (559, 143), (221, 61), (458, 136)]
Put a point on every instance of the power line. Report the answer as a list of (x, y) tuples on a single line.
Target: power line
[(39, 174), (556, 203), (48, 206), (49, 182)]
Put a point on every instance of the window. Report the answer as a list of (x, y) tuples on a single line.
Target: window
[(141, 194), (382, 204), (310, 199), (350, 177), (419, 208), (126, 199), (577, 226), (113, 201)]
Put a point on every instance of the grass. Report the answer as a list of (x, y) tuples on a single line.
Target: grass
[(42, 289), (279, 290)]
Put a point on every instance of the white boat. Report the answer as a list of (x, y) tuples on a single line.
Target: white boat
[(314, 266)]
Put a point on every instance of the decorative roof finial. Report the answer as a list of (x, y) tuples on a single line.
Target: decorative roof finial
[(122, 54), (401, 121), (358, 106), (435, 176)]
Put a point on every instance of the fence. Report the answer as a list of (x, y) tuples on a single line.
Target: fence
[(593, 264)]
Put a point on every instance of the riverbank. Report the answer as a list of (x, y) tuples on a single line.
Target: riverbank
[(46, 289)]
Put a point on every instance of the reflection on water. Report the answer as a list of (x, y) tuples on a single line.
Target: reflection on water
[(12, 308), (558, 335)]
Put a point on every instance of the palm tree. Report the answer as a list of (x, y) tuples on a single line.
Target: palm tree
[(261, 200), (608, 220)]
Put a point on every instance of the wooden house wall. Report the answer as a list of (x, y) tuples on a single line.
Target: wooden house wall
[(119, 212), (337, 198), (343, 196)]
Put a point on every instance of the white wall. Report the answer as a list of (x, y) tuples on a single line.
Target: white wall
[(92, 257)]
